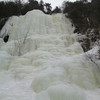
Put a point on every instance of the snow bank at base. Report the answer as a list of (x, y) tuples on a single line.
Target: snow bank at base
[(43, 61)]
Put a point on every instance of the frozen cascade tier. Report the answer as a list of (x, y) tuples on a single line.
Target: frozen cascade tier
[(42, 60)]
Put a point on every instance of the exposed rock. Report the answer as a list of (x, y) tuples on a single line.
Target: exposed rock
[(6, 38)]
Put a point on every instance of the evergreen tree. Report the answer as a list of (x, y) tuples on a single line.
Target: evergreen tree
[(41, 4), (48, 8), (56, 10)]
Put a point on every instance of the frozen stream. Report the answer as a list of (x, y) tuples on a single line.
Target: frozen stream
[(43, 61)]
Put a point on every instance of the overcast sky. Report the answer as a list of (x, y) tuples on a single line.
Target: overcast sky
[(53, 2), (56, 2)]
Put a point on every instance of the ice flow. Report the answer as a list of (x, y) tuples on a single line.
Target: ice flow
[(43, 61)]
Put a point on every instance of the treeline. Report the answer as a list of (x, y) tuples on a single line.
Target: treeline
[(85, 16), (10, 8)]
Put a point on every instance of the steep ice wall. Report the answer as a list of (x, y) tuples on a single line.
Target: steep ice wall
[(43, 61)]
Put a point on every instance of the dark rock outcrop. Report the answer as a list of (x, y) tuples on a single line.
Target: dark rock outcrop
[(6, 38)]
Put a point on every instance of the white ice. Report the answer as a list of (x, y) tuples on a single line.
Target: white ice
[(43, 61)]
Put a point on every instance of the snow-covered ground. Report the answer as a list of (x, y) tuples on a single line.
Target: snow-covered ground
[(43, 61)]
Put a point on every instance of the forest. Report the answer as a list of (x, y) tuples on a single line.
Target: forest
[(85, 17)]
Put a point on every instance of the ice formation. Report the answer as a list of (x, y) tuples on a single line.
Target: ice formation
[(43, 61)]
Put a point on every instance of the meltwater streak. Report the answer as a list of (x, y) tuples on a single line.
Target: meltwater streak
[(43, 61)]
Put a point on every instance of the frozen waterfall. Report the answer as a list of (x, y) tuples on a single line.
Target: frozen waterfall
[(43, 61)]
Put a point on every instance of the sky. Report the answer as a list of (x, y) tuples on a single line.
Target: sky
[(53, 2), (56, 2)]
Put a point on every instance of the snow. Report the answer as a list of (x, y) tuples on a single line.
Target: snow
[(43, 61)]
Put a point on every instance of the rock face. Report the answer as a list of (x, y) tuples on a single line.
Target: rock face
[(6, 38), (43, 61)]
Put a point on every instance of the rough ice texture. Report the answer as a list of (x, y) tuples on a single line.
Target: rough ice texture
[(43, 61)]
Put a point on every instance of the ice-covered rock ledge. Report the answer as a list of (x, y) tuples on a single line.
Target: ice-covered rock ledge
[(43, 61)]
